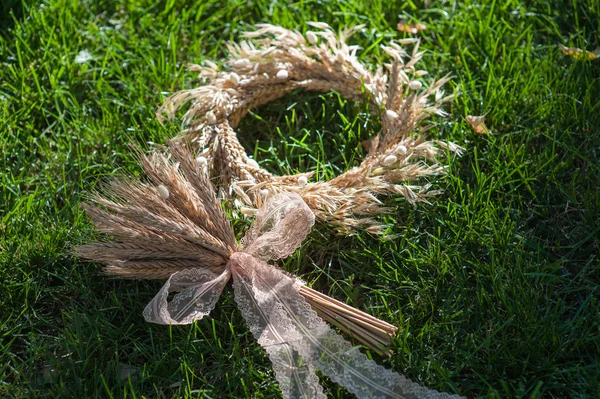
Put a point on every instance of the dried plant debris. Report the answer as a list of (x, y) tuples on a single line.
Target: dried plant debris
[(578, 53), (478, 124), (413, 29), (273, 62)]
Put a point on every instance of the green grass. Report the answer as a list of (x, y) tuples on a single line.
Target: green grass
[(495, 287)]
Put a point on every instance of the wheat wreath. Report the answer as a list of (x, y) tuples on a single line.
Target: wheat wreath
[(275, 61)]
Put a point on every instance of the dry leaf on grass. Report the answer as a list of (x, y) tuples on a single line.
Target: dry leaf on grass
[(478, 124), (578, 53), (404, 26)]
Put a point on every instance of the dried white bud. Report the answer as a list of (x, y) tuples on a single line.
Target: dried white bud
[(410, 40), (242, 62), (282, 74), (234, 78), (415, 85), (391, 114), (201, 160), (211, 65), (211, 118), (252, 163), (302, 180), (421, 73), (389, 160), (264, 192), (401, 150), (312, 37), (319, 25), (162, 191)]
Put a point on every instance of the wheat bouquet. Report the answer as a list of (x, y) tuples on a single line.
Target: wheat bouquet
[(275, 61), (174, 228)]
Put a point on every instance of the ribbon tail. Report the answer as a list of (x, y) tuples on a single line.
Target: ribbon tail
[(344, 363), (287, 312), (296, 377), (199, 290)]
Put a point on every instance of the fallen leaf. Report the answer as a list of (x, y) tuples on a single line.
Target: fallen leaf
[(578, 53), (478, 124), (413, 29)]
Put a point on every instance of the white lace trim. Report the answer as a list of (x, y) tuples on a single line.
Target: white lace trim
[(199, 290)]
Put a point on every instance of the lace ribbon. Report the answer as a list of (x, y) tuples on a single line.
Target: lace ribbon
[(297, 341)]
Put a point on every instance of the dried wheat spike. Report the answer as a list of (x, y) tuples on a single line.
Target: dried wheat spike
[(275, 61), (173, 223)]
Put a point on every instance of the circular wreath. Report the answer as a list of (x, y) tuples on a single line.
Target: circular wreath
[(276, 61)]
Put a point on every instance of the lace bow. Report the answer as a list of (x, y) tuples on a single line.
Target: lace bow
[(297, 341)]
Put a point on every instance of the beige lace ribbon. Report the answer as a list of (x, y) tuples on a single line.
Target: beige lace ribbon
[(297, 341)]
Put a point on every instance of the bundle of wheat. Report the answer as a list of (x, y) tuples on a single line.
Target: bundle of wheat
[(174, 227), (177, 223), (276, 61)]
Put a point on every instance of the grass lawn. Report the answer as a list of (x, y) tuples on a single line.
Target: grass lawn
[(495, 287)]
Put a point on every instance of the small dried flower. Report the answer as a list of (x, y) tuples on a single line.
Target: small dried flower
[(282, 74), (252, 163), (402, 149), (242, 62), (234, 78), (211, 118), (415, 85), (391, 114), (163, 192), (201, 160), (302, 180), (389, 160), (312, 37), (264, 192)]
